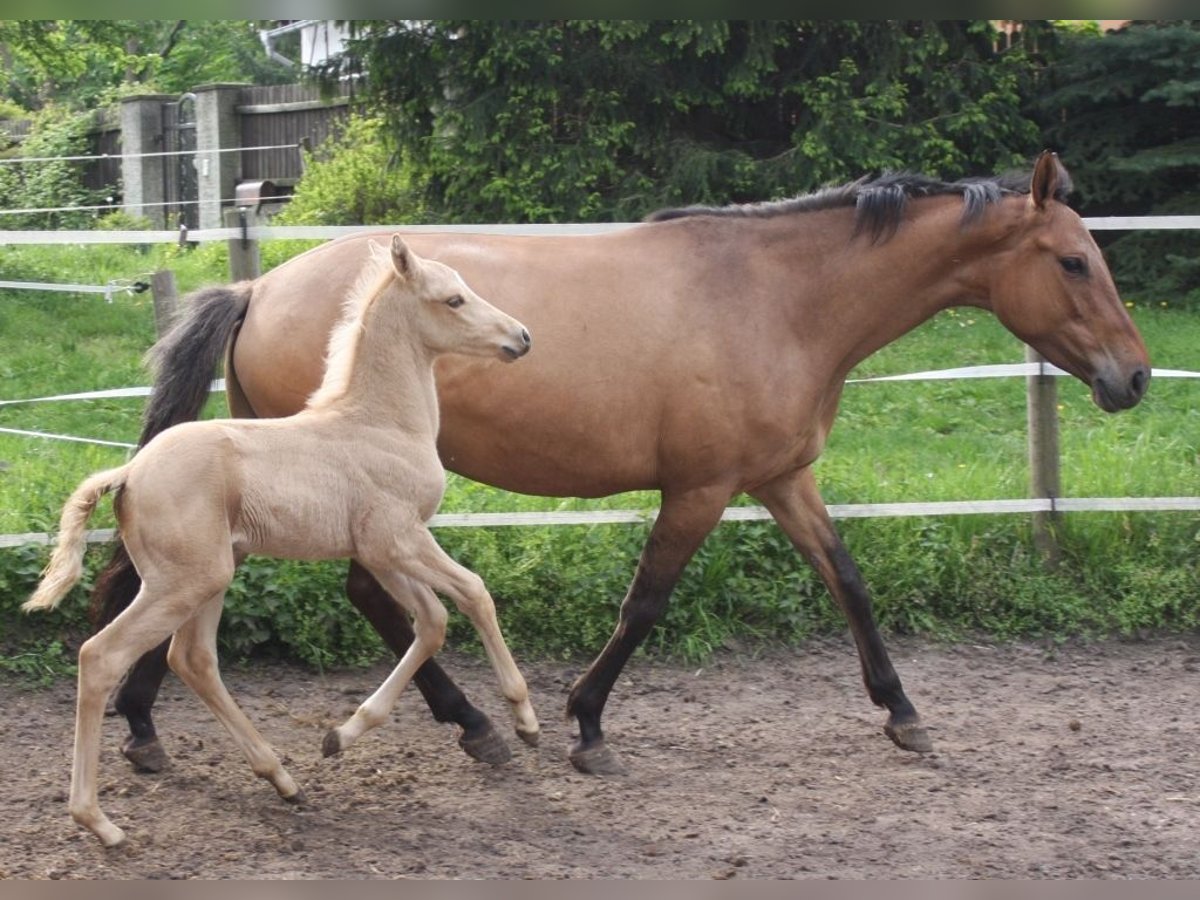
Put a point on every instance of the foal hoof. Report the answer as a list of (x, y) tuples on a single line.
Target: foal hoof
[(147, 755), (297, 799), (332, 745), (486, 746), (909, 736), (596, 760), (529, 737)]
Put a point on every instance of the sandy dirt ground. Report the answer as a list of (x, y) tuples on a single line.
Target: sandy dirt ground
[(1079, 761)]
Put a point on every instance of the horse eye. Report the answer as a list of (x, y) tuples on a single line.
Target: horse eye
[(456, 301), (1073, 265)]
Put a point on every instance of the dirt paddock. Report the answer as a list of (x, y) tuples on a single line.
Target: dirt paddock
[(1050, 763)]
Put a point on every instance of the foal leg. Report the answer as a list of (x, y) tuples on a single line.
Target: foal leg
[(193, 657), (430, 565), (795, 503), (682, 524), (446, 701), (103, 658), (429, 634), (116, 586)]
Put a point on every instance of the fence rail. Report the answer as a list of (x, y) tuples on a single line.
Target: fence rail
[(243, 260)]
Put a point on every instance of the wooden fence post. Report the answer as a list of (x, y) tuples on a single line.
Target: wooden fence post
[(166, 300), (1041, 391), (245, 262)]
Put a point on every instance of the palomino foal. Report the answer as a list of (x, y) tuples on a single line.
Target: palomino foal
[(355, 474)]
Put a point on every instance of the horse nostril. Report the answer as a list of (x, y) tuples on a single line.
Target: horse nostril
[(1139, 382), (526, 338)]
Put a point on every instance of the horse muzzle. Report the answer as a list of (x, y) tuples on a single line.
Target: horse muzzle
[(518, 347), (1116, 391)]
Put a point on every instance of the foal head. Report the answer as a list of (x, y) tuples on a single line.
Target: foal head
[(447, 316), (1057, 295)]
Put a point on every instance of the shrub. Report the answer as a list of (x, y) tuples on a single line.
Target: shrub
[(354, 179)]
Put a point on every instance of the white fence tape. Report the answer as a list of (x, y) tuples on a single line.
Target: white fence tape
[(999, 370), (749, 514), (20, 432)]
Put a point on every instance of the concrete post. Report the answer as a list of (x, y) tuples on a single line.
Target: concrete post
[(144, 177), (217, 128)]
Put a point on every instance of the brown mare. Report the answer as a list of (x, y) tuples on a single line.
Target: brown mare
[(701, 354), (355, 473)]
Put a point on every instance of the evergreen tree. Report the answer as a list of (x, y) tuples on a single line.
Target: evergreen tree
[(1124, 110), (594, 120)]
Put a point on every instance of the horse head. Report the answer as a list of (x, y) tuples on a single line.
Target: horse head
[(454, 318), (1057, 295)]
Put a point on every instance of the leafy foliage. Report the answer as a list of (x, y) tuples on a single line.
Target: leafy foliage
[(1125, 111), (353, 179), (83, 63), (56, 132), (590, 119)]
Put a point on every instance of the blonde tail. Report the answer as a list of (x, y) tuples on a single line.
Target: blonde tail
[(66, 563)]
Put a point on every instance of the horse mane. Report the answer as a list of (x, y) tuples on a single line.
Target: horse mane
[(878, 202), (342, 348)]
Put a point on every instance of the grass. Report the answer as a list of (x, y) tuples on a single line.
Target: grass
[(558, 588)]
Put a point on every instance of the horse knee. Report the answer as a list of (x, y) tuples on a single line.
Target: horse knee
[(97, 670), (430, 626), (189, 661)]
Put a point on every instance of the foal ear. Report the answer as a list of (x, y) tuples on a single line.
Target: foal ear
[(402, 260), (1045, 182)]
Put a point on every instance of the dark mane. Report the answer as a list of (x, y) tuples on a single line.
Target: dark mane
[(879, 202)]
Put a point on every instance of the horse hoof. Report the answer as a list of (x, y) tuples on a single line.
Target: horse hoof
[(596, 760), (909, 736), (146, 757), (529, 737), (297, 799), (486, 746), (332, 745)]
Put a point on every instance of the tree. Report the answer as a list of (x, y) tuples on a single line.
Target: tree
[(1124, 110), (585, 120), (85, 63)]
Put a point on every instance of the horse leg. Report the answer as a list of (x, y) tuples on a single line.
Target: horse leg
[(103, 658), (429, 629), (115, 588), (479, 739), (429, 566), (683, 522), (795, 503), (193, 657)]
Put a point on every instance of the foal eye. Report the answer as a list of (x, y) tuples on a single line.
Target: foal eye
[(1073, 265), (456, 301)]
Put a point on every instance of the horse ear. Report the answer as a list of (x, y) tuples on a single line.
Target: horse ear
[(1045, 182), (401, 257)]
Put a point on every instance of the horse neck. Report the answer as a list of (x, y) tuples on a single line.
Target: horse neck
[(930, 264), (390, 381)]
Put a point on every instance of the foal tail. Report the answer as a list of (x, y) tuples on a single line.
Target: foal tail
[(66, 563), (184, 362)]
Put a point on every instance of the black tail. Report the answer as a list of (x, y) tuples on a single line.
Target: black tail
[(185, 359), (184, 362)]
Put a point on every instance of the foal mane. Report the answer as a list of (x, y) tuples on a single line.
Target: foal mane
[(878, 202), (343, 344)]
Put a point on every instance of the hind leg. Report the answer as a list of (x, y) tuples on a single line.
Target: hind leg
[(103, 659), (193, 657), (116, 586)]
